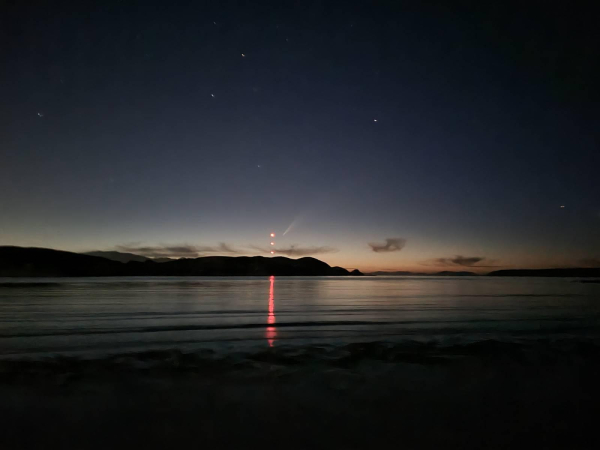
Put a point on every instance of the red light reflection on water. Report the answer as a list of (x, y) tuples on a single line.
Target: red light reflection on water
[(271, 333)]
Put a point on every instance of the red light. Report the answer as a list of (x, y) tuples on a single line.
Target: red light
[(271, 333), (272, 234), (272, 243), (272, 252)]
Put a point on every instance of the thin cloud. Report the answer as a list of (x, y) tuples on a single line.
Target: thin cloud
[(176, 251), (294, 250), (391, 245), (221, 248), (590, 262), (463, 261), (458, 260)]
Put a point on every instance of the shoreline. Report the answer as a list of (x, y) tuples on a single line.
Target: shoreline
[(323, 356)]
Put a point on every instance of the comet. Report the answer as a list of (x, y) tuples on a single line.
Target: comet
[(290, 227), (299, 219)]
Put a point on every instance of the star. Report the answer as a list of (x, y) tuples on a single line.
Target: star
[(374, 120), (243, 55), (40, 114), (562, 206), (212, 95)]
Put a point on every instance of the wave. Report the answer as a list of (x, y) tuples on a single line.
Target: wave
[(299, 324), (540, 351)]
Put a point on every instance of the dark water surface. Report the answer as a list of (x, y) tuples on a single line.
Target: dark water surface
[(93, 316)]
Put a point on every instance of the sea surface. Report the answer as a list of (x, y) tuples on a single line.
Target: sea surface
[(104, 316)]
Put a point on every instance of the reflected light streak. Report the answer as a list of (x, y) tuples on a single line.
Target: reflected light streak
[(271, 332)]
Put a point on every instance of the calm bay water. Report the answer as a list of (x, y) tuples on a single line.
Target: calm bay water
[(90, 316)]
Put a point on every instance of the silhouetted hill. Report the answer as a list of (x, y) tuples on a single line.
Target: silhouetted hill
[(247, 265), (118, 256), (41, 262), (578, 272)]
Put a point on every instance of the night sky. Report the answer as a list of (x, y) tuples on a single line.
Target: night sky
[(380, 135)]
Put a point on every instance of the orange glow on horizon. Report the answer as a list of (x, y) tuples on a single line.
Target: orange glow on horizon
[(271, 332)]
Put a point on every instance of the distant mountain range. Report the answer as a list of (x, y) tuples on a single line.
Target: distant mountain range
[(118, 256), (43, 262), (576, 272), (125, 257)]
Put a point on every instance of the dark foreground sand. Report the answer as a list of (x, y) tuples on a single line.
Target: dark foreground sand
[(486, 395)]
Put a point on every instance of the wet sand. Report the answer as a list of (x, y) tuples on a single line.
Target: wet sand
[(487, 395)]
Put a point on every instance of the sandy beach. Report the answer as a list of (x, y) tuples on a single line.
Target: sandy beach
[(487, 395)]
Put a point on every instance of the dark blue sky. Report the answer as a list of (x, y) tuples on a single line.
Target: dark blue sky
[(177, 126)]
